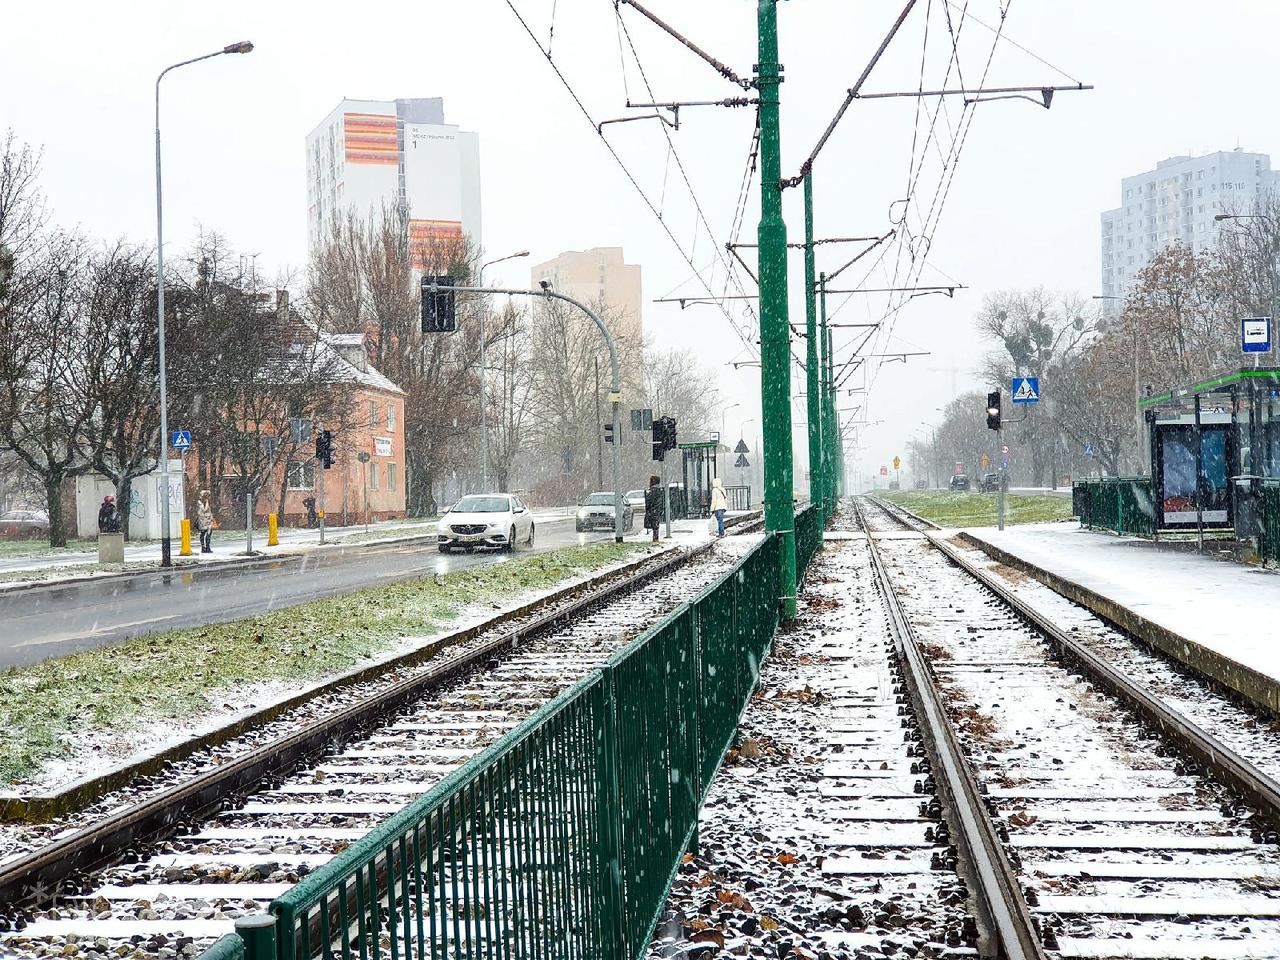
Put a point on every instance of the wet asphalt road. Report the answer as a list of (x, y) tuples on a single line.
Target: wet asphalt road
[(44, 622)]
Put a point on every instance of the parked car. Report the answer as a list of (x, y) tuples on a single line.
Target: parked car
[(24, 524), (595, 512), (922, 483), (894, 485), (959, 482), (991, 482), (490, 520)]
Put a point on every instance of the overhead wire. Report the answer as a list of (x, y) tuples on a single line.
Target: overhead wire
[(623, 166)]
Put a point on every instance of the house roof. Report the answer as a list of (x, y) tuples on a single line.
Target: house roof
[(347, 372)]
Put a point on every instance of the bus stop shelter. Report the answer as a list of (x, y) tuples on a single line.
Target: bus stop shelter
[(699, 463), (1212, 445)]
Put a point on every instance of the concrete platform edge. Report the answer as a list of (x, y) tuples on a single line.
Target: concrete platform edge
[(1258, 688)]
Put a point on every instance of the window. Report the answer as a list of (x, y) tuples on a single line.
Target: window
[(373, 413), (391, 416), (373, 476), (391, 476), (301, 475)]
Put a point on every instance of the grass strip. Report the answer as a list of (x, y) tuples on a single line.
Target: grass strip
[(979, 509), (180, 674)]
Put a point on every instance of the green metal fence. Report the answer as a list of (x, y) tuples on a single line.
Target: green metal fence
[(808, 537), (1122, 504), (1269, 541), (561, 839)]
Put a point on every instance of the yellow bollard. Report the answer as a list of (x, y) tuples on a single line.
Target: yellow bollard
[(186, 538), (273, 538)]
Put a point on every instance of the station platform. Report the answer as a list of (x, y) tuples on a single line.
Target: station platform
[(1217, 616)]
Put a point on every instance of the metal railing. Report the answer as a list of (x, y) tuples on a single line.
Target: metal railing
[(1269, 540), (808, 536), (562, 838), (1122, 504), (739, 497)]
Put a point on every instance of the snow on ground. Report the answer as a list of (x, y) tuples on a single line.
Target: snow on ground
[(1226, 607), (95, 752), (782, 869)]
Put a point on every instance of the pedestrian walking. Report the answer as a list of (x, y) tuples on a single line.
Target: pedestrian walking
[(204, 521), (719, 504), (108, 516), (653, 507)]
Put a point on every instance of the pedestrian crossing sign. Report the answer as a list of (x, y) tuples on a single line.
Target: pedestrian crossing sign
[(1025, 389)]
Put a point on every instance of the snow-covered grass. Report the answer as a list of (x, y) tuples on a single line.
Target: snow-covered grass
[(183, 673), (40, 548), (979, 509)]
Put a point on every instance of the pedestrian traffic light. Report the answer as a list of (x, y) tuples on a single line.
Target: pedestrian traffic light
[(439, 314), (664, 432), (659, 452), (608, 433), (993, 410), (324, 448)]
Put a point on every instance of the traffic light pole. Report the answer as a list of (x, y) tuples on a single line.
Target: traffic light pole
[(775, 346), (813, 387), (615, 387), (320, 466)]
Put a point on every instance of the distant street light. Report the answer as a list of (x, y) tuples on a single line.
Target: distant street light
[(244, 46), (723, 411), (484, 419), (1219, 217)]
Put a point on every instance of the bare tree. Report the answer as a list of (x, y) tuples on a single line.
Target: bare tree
[(512, 391), (122, 333)]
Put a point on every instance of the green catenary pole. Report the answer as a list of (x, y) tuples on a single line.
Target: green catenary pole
[(828, 404), (835, 445), (813, 360), (775, 345)]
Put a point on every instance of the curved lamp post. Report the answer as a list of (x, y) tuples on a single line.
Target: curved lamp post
[(243, 46)]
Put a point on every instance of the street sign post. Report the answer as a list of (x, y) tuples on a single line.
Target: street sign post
[(181, 439), (897, 463), (985, 460), (742, 461), (884, 471), (1025, 389), (1255, 335)]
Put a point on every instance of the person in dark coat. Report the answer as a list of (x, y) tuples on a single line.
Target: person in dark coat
[(108, 518), (653, 507)]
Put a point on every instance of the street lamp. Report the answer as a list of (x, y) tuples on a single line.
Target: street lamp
[(484, 416), (243, 46), (724, 411)]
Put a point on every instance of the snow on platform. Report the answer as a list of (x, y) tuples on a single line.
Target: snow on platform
[(1219, 616)]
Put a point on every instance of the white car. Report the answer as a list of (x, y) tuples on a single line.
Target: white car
[(493, 520), (636, 499)]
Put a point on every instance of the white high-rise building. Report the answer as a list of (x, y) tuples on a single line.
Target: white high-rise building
[(399, 153), (1176, 202)]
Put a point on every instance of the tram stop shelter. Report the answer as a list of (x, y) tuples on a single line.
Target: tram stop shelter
[(1213, 447), (699, 463)]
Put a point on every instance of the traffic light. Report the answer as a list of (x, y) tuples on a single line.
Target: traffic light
[(439, 314), (608, 433), (993, 410), (664, 432), (324, 448), (659, 452)]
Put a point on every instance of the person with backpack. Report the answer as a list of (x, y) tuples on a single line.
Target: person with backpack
[(719, 504)]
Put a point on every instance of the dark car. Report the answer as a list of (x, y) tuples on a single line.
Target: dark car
[(922, 483), (596, 513), (24, 524), (894, 485), (991, 482), (959, 482)]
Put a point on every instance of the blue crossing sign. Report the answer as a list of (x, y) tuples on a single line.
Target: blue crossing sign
[(1025, 389), (181, 439)]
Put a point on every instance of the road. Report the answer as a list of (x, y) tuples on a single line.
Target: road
[(52, 621)]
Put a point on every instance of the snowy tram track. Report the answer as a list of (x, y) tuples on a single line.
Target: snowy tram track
[(175, 895), (1120, 845)]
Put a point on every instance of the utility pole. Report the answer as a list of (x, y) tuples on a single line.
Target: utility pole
[(813, 389), (775, 346), (600, 432), (828, 406)]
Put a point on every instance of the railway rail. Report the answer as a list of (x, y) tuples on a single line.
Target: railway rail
[(178, 867), (1108, 804)]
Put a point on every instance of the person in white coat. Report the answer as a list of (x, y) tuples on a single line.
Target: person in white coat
[(719, 504)]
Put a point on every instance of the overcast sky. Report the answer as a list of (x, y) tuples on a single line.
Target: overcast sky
[(1172, 76)]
